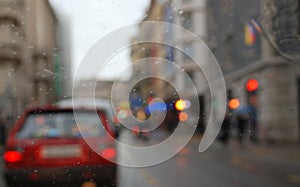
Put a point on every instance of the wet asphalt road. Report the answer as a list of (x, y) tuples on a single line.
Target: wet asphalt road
[(231, 165)]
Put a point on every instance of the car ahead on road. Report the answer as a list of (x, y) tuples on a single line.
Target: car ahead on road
[(52, 146), (99, 103)]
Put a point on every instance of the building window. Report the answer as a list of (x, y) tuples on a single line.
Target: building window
[(187, 20), (228, 52), (8, 30), (188, 82), (41, 92), (188, 51)]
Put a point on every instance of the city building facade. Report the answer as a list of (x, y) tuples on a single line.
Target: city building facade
[(251, 40), (191, 16), (141, 50), (260, 40), (27, 55)]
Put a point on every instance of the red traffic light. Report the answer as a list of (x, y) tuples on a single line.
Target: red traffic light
[(252, 85)]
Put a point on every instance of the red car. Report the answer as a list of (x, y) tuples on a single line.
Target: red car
[(49, 146)]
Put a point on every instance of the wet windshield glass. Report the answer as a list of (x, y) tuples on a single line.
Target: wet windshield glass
[(194, 92), (61, 125)]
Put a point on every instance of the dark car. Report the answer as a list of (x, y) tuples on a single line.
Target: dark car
[(52, 146)]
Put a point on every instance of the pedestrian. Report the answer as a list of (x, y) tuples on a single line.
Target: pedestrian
[(2, 132), (242, 119), (224, 133), (252, 124)]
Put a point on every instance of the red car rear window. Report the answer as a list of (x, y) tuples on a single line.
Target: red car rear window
[(61, 124)]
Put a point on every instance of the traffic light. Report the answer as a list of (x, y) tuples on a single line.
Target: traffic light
[(252, 85)]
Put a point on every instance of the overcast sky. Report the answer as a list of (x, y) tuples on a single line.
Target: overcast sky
[(90, 20)]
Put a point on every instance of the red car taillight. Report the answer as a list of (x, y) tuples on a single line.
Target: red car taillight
[(12, 156), (108, 153)]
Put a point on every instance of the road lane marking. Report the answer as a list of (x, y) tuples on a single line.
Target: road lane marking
[(147, 176)]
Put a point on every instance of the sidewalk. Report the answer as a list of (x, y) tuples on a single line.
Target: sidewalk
[(287, 152), (277, 151)]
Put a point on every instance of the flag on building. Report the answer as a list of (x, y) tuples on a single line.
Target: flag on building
[(249, 34)]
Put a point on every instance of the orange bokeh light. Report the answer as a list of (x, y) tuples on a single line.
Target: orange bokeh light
[(183, 116), (234, 103)]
